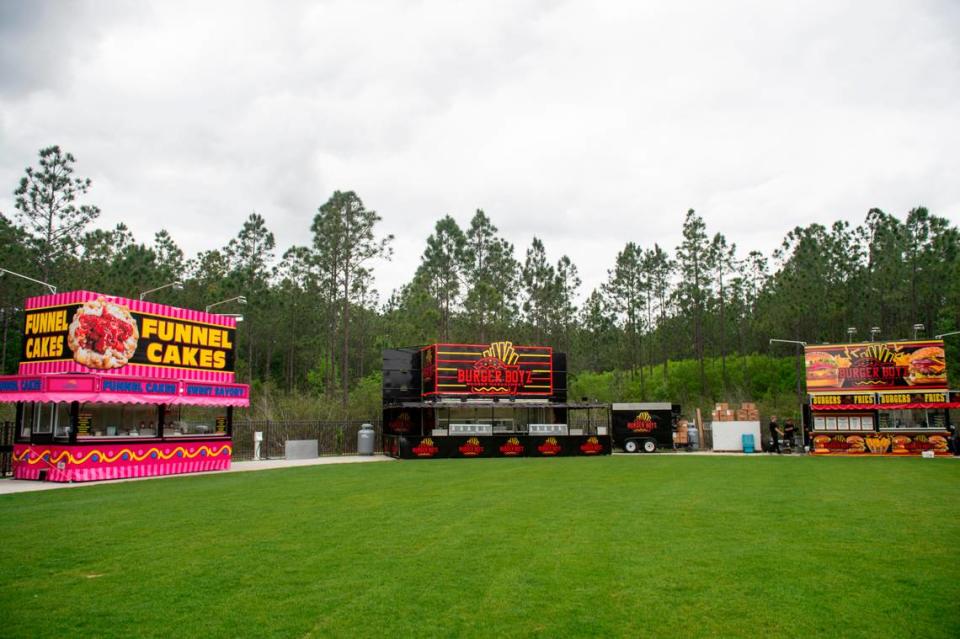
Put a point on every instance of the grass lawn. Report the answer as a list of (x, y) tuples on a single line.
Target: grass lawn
[(623, 546)]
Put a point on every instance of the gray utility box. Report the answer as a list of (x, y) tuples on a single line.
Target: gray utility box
[(301, 449), (365, 439)]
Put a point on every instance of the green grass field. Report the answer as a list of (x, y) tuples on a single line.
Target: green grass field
[(623, 546)]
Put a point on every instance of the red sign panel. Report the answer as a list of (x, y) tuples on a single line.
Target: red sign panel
[(496, 369), (876, 366)]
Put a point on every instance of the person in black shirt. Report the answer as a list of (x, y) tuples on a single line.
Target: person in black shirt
[(775, 433), (789, 433)]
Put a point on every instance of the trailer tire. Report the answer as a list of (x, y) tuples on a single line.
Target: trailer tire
[(649, 446), (631, 446)]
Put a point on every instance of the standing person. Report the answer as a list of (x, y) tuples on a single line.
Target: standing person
[(789, 433), (807, 437), (775, 433)]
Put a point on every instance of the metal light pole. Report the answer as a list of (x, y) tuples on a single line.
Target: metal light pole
[(176, 285), (51, 287), (874, 331), (942, 335), (239, 299)]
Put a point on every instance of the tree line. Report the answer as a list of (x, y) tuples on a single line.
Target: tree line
[(690, 322)]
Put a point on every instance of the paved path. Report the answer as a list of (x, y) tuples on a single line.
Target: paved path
[(9, 486)]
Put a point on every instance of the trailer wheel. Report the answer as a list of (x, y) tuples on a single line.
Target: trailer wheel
[(631, 446), (649, 446)]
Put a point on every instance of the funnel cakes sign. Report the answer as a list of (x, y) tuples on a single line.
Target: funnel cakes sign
[(495, 369), (83, 331), (876, 366)]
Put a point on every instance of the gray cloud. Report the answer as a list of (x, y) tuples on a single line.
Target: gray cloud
[(584, 126)]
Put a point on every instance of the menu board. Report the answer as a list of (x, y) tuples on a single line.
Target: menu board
[(830, 422), (866, 422), (819, 423), (843, 422), (84, 422)]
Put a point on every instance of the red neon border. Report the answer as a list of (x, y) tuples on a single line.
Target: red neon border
[(437, 360)]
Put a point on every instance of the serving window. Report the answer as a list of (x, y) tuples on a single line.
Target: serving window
[(913, 419), (117, 420), (184, 421), (503, 419), (45, 418)]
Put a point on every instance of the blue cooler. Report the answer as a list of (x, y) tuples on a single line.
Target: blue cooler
[(747, 440)]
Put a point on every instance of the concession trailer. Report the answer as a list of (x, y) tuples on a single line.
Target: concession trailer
[(645, 427), (879, 398), (486, 400), (111, 388)]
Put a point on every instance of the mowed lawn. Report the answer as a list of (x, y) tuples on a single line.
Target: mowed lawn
[(625, 546)]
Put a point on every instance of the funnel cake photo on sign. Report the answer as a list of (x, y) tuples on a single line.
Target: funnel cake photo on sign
[(103, 335)]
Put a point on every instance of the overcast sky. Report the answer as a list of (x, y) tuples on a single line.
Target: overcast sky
[(587, 124)]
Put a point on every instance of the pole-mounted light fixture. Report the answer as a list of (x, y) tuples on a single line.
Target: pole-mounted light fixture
[(50, 287), (787, 341), (239, 299), (874, 331), (917, 328), (942, 335), (175, 285), (851, 332)]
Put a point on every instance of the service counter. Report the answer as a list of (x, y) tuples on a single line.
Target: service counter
[(517, 445)]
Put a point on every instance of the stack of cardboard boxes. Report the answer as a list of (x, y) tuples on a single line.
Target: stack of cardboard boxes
[(746, 413)]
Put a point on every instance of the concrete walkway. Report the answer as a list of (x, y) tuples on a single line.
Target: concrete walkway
[(9, 486)]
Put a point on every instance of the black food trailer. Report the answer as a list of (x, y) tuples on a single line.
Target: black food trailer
[(486, 400), (645, 426)]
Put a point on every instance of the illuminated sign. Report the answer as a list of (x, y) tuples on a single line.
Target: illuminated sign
[(642, 423), (908, 366), (496, 369), (861, 399), (83, 331)]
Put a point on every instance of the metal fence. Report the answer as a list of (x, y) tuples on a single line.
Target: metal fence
[(333, 437), (6, 448)]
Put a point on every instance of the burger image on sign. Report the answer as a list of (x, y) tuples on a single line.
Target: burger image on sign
[(822, 370), (103, 335), (927, 367)]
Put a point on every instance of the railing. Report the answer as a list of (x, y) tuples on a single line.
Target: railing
[(333, 437)]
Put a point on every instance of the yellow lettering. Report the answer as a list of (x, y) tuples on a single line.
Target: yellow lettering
[(148, 326), (62, 321), (155, 353), (190, 356), (206, 358), (172, 356), (226, 340), (215, 337), (182, 334), (166, 331), (200, 335), (219, 359)]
